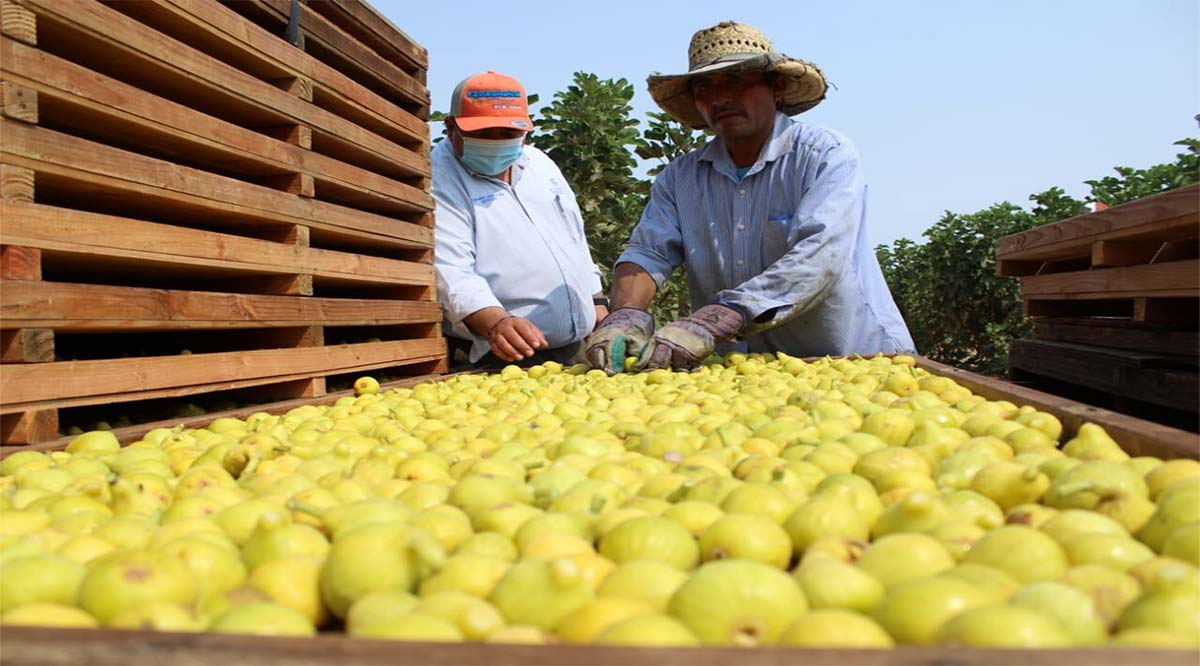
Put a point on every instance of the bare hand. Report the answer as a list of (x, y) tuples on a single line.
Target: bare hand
[(515, 338)]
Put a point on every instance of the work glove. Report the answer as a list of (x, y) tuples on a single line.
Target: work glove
[(684, 343), (623, 332)]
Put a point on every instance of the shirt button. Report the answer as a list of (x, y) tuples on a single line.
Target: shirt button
[(742, 191), (741, 227), (740, 262)]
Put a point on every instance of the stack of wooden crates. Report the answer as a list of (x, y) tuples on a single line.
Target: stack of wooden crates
[(198, 212), (1114, 297)]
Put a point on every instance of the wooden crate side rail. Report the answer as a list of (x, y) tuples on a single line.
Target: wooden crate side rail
[(47, 646), (1136, 436), (79, 96), (72, 383), (368, 26), (113, 35), (1171, 279), (100, 236), (100, 308), (1164, 216), (88, 163)]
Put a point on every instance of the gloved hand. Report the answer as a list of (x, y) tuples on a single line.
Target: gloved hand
[(684, 343), (623, 332)]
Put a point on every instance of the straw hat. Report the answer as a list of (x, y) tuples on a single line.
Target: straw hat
[(730, 46)]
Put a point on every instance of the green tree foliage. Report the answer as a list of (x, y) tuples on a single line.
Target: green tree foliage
[(958, 310)]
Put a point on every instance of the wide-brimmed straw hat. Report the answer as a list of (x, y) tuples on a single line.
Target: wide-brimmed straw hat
[(731, 46)]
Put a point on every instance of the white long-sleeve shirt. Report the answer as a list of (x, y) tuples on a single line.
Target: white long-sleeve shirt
[(520, 247)]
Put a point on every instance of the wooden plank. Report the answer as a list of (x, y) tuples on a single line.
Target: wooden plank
[(18, 102), (1167, 216), (99, 237), (222, 33), (20, 263), (1172, 279), (71, 383), (98, 308), (39, 425), (177, 188), (18, 22), (1118, 334), (330, 44), (48, 646), (108, 41), (85, 99), (368, 26), (1105, 370), (1124, 253), (16, 183), (1138, 437), (26, 345), (1166, 311)]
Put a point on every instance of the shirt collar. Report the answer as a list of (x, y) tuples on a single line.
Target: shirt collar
[(777, 145)]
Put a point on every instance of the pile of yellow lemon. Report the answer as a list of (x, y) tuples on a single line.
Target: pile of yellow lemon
[(759, 500)]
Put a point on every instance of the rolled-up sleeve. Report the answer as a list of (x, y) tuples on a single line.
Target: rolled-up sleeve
[(461, 290), (829, 215), (656, 243)]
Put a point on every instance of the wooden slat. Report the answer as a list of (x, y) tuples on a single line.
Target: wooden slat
[(32, 426), (26, 345), (97, 237), (1136, 436), (81, 98), (335, 47), (102, 647), (128, 46), (368, 26), (1117, 373), (221, 32), (1167, 216), (72, 383), (137, 431), (88, 164), (1118, 334), (18, 102), (20, 263), (97, 308), (1173, 279)]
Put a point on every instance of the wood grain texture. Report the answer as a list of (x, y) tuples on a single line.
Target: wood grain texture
[(18, 102), (39, 425), (97, 238), (17, 183), (101, 32), (364, 23), (72, 383), (78, 97), (1136, 436), (20, 263), (59, 647), (90, 165), (1167, 216), (98, 308), (18, 22), (1118, 334), (26, 345), (1172, 279)]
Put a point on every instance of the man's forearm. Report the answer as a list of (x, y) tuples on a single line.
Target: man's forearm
[(632, 287), (481, 321)]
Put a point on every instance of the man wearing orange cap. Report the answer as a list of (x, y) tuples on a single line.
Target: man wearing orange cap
[(769, 217), (515, 277)]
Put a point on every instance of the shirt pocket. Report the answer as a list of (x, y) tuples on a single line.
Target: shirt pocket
[(777, 238)]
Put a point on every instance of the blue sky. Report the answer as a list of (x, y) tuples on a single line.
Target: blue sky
[(954, 105)]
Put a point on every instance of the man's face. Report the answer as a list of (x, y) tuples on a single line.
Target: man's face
[(735, 105)]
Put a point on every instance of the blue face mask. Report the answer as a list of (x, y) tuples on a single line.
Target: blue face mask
[(490, 157)]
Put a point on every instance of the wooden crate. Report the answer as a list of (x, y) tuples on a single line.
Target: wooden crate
[(1115, 301), (193, 207), (68, 647)]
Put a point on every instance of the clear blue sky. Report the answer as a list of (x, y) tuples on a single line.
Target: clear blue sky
[(954, 105)]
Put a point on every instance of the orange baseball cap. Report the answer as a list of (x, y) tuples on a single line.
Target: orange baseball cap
[(490, 100)]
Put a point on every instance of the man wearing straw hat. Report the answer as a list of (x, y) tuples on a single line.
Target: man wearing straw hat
[(769, 218), (515, 277)]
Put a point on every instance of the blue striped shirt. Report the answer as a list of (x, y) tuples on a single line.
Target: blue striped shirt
[(520, 247), (786, 244)]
